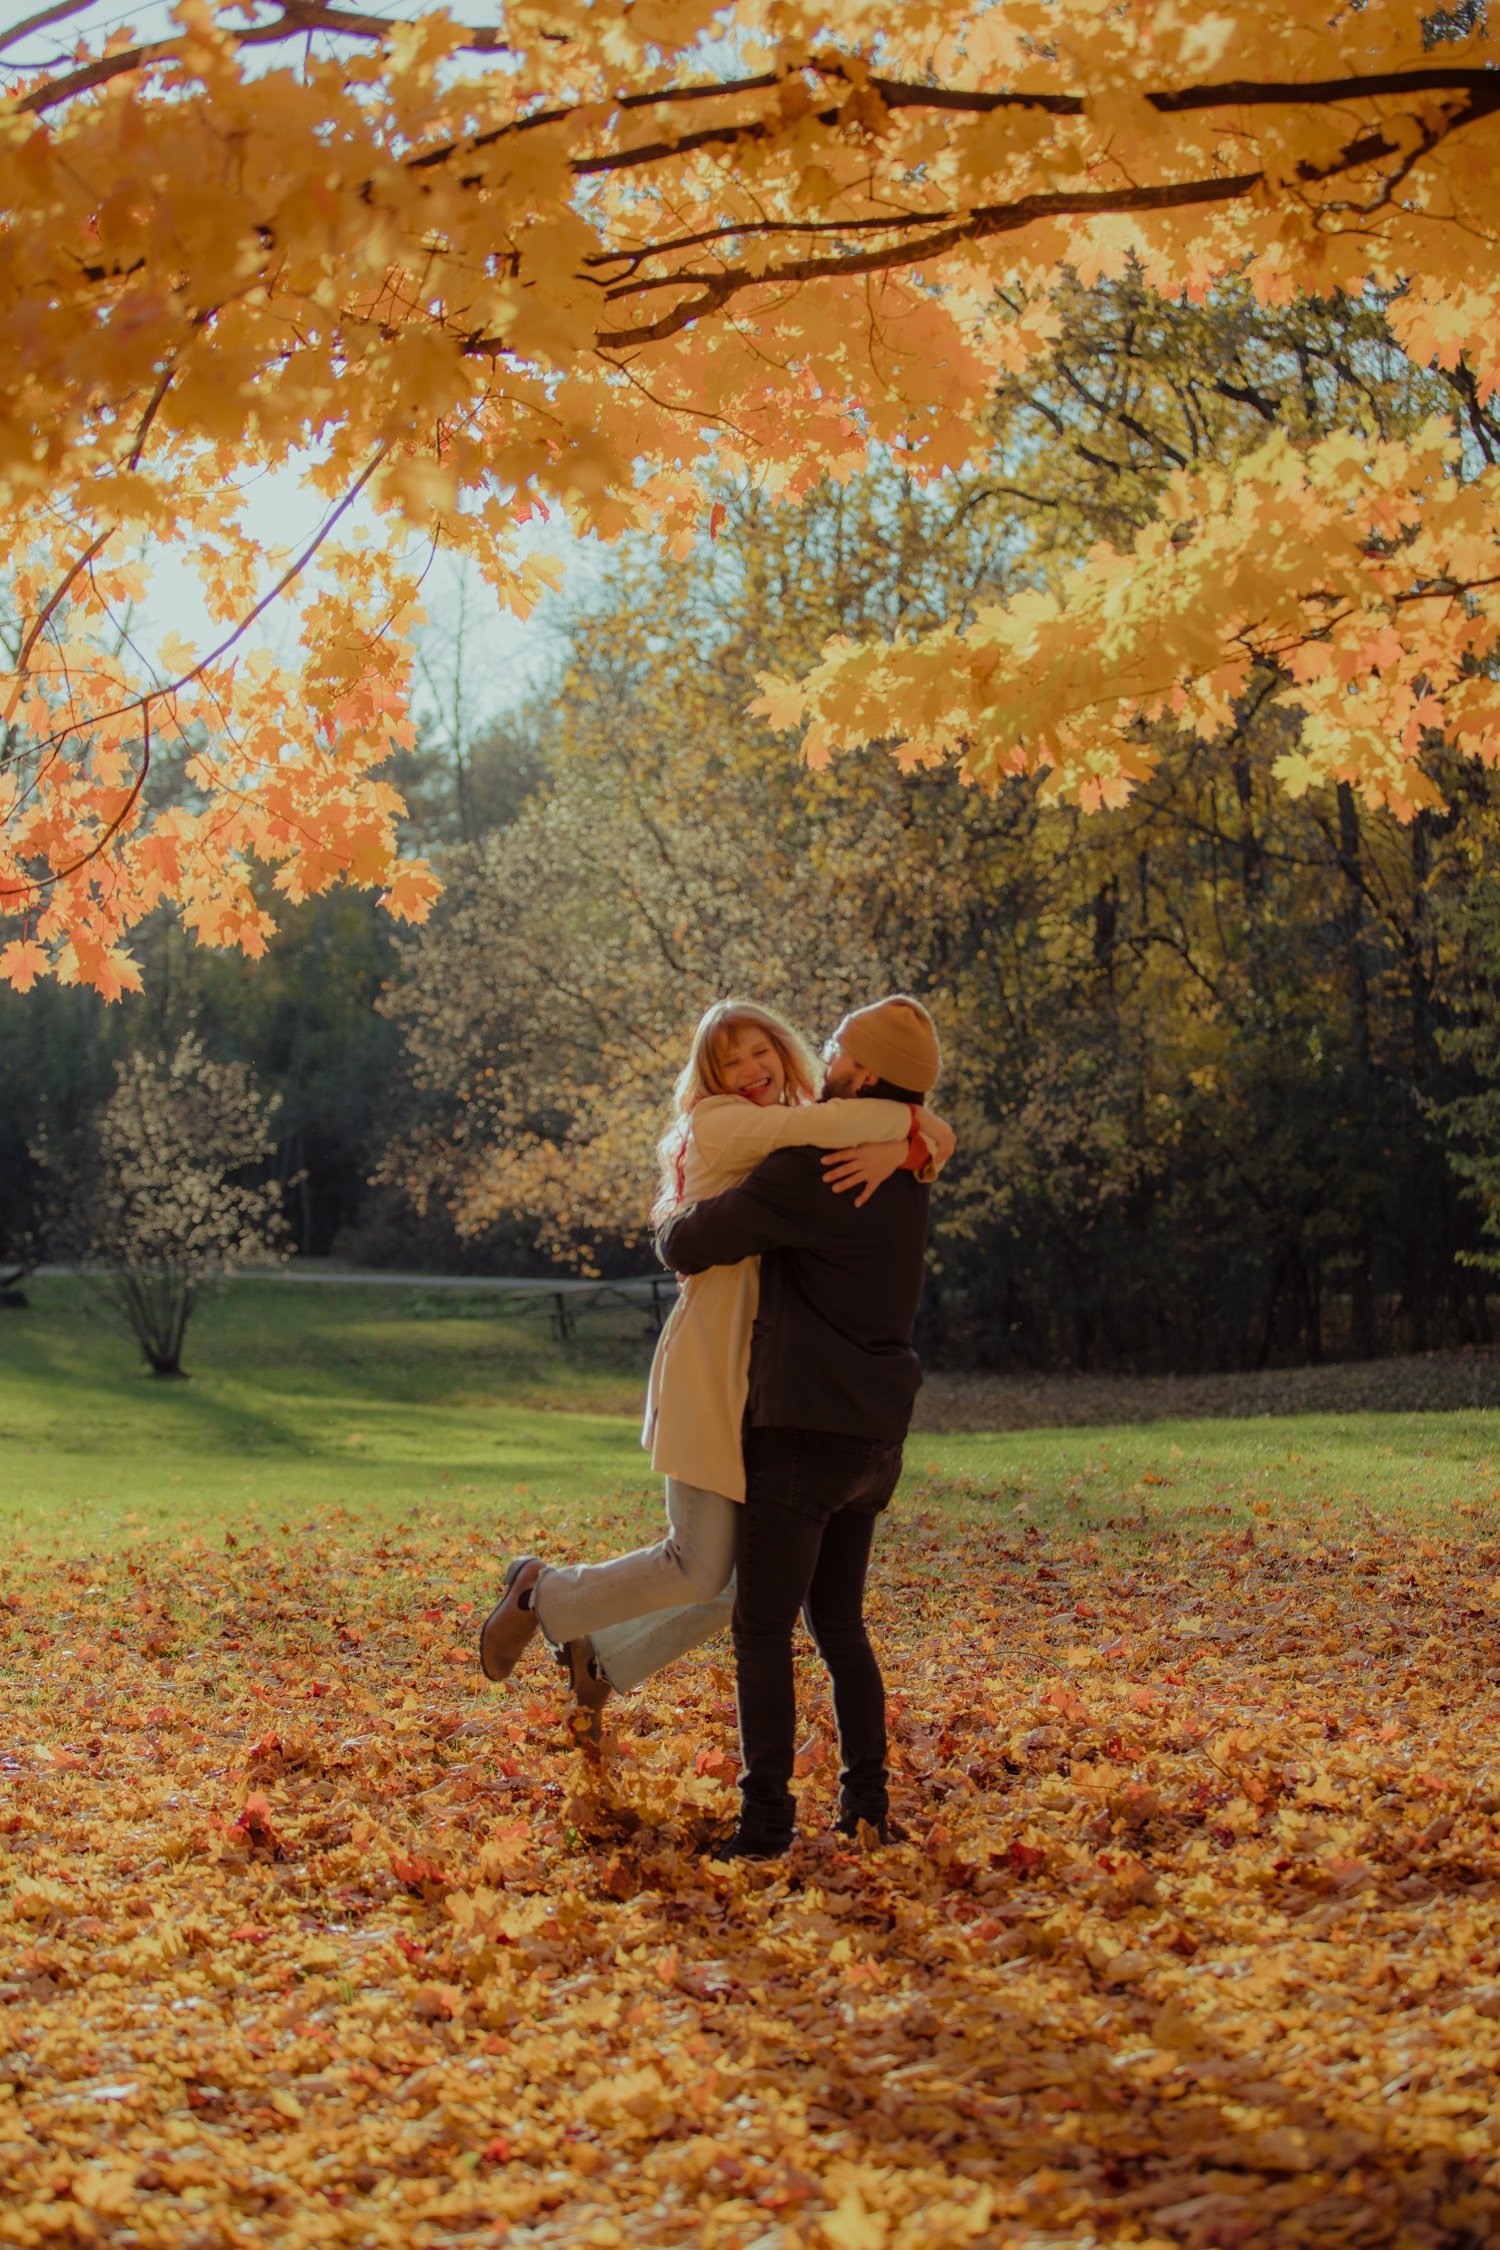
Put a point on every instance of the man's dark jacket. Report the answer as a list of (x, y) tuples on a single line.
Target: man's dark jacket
[(838, 1292)]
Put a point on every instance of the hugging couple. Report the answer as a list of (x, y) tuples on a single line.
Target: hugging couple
[(779, 1396)]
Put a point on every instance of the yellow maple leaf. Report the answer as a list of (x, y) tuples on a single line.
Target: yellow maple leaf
[(850, 2226)]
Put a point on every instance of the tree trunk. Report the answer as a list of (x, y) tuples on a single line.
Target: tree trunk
[(1352, 920), (1252, 852), (1362, 1280)]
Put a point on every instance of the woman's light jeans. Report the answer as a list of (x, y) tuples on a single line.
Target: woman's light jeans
[(643, 1609)]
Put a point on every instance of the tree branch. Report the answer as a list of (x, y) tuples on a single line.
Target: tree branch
[(39, 22), (49, 609), (102, 842), (979, 225), (142, 703)]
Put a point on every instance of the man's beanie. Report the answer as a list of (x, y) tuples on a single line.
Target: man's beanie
[(895, 1038)]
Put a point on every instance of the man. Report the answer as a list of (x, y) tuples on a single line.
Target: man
[(832, 1379)]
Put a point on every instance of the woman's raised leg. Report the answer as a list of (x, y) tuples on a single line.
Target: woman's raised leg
[(691, 1566), (628, 1654)]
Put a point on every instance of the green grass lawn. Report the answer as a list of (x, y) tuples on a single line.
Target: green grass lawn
[(301, 1400), (386, 1404)]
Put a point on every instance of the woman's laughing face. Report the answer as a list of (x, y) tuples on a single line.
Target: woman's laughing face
[(749, 1064)]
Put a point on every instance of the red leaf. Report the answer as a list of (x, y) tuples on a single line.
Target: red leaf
[(415, 1869), (1062, 1698), (255, 1821)]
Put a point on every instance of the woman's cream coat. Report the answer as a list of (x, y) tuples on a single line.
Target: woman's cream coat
[(695, 1400)]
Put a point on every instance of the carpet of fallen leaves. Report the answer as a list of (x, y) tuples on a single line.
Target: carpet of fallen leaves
[(306, 1936)]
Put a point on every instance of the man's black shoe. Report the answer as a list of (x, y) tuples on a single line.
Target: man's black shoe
[(737, 1845), (859, 1828)]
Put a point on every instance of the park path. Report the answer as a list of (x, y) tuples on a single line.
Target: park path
[(566, 1296), (324, 1271)]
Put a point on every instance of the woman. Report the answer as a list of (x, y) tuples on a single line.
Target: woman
[(749, 1086)]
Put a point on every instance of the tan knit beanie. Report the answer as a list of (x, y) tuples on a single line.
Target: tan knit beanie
[(896, 1039)]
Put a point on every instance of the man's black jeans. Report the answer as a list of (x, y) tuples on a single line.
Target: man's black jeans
[(803, 1543)]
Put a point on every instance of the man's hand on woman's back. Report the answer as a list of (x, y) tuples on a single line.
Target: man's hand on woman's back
[(864, 1167)]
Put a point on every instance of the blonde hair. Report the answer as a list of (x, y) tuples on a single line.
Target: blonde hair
[(703, 1074)]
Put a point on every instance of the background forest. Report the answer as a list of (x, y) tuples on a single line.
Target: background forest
[(1224, 1061)]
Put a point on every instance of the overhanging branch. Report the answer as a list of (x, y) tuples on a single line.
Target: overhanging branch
[(716, 290)]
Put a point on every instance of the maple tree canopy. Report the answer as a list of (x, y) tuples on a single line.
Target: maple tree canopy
[(582, 258)]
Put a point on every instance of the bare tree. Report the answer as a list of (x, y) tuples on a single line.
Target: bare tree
[(175, 1202), (21, 1252)]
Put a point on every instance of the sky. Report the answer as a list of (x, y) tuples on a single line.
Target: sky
[(151, 18), (509, 658)]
